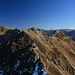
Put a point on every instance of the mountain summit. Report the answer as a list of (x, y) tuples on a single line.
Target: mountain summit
[(30, 52), (4, 29)]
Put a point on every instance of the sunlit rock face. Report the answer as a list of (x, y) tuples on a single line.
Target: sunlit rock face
[(30, 52)]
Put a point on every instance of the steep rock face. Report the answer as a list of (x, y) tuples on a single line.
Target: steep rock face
[(65, 45), (56, 52), (19, 57), (30, 52)]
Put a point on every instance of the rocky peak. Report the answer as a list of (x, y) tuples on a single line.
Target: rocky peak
[(59, 33), (4, 29), (10, 33), (35, 29)]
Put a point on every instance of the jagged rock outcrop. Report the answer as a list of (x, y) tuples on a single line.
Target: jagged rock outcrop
[(9, 35), (18, 57)]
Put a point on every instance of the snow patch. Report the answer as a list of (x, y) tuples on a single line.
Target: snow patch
[(36, 70), (17, 64), (44, 73), (1, 72)]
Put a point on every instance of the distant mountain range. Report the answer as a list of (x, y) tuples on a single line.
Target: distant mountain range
[(37, 52), (68, 32)]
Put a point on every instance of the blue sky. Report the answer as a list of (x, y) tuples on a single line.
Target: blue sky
[(44, 14)]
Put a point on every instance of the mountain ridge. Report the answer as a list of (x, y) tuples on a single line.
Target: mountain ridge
[(31, 52), (68, 32)]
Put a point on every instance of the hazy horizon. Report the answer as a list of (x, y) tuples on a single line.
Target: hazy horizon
[(43, 14)]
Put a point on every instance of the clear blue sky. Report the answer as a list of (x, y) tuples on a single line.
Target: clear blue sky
[(45, 14)]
